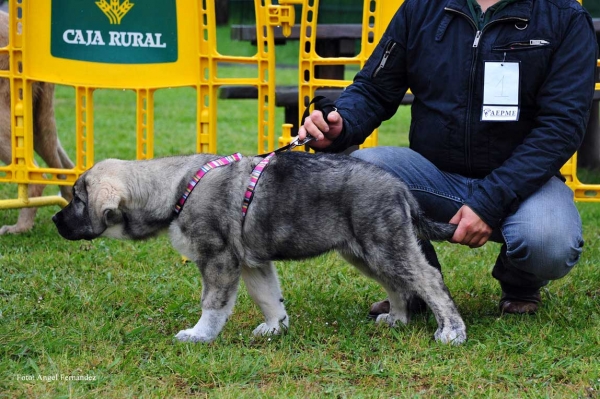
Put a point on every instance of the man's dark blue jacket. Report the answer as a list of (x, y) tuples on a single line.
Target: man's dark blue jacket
[(435, 48)]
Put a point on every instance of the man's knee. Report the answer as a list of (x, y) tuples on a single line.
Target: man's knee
[(548, 256), (546, 246)]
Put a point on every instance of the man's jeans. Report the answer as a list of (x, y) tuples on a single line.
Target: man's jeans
[(542, 240)]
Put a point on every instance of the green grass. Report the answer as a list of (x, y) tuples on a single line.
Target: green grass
[(107, 310)]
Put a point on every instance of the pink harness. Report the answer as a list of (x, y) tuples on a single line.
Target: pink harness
[(321, 103), (254, 176)]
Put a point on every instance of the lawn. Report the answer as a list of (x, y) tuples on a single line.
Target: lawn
[(97, 319)]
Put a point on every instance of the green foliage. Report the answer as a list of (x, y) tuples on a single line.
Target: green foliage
[(107, 310)]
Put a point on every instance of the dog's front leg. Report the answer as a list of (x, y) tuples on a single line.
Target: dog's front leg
[(220, 280), (263, 287)]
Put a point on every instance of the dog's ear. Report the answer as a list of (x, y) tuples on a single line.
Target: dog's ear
[(107, 196), (112, 216)]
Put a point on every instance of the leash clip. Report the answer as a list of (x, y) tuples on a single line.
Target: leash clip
[(297, 142), (321, 103)]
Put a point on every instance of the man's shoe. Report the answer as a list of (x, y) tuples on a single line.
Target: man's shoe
[(378, 308), (415, 306), (516, 304)]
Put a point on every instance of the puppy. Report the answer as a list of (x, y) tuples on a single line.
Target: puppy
[(301, 206), (45, 138)]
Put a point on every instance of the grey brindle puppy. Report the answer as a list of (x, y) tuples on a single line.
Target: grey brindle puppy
[(304, 205)]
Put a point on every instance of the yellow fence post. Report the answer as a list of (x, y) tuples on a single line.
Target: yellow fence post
[(582, 192), (118, 44), (376, 16)]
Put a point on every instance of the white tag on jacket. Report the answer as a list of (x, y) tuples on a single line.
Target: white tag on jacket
[(500, 91)]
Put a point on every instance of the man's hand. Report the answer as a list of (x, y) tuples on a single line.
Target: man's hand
[(471, 230), (323, 131)]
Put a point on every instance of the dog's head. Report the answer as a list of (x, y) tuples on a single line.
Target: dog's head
[(95, 209)]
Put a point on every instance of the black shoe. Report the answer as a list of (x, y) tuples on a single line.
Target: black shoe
[(415, 306), (520, 304), (378, 308)]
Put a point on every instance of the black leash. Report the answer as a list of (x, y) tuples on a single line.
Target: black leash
[(321, 103)]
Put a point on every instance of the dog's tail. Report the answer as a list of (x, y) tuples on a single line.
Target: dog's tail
[(64, 158), (428, 229)]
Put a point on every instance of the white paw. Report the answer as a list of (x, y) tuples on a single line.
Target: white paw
[(265, 329), (190, 335), (451, 336), (385, 318), (272, 328)]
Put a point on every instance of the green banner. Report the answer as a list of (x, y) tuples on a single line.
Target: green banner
[(115, 31)]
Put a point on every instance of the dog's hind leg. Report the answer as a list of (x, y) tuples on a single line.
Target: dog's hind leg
[(220, 280), (46, 142), (397, 296), (427, 282), (263, 287), (414, 275), (26, 215)]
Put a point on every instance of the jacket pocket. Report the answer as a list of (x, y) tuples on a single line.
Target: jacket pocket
[(390, 46), (522, 45), (534, 57)]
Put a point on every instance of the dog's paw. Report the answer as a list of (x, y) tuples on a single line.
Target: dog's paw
[(265, 329), (392, 319), (272, 328), (190, 335), (454, 336), (385, 318), (14, 229)]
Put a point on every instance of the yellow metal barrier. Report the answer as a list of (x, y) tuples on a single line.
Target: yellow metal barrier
[(583, 192), (141, 46), (376, 16)]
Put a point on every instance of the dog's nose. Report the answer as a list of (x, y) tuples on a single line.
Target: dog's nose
[(55, 218)]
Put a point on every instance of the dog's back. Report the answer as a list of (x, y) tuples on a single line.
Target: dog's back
[(340, 203)]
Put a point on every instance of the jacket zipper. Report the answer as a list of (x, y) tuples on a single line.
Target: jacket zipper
[(476, 40), (388, 50), (534, 43), (477, 36)]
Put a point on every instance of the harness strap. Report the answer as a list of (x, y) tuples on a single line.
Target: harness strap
[(321, 103), (200, 174), (256, 172)]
